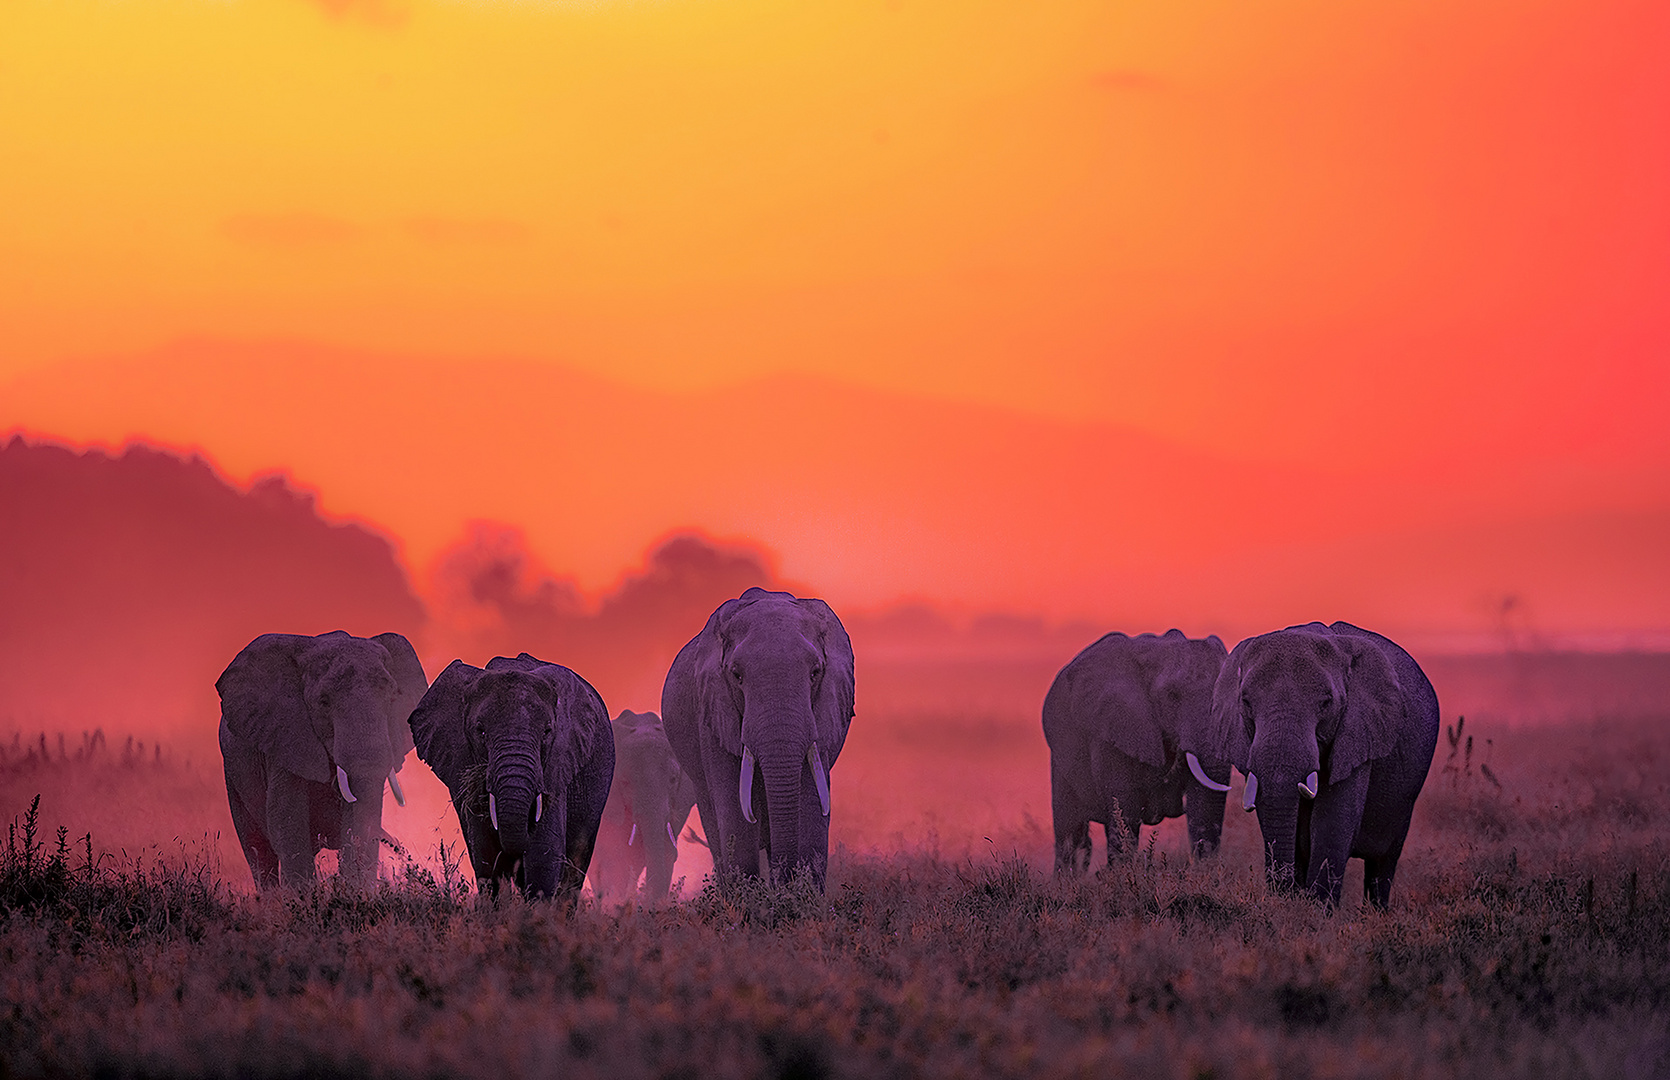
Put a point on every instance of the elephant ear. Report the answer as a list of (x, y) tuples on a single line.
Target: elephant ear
[(1226, 731), (412, 684), (582, 720), (833, 708), (438, 722), (262, 702), (1374, 709), (1115, 693), (720, 707)]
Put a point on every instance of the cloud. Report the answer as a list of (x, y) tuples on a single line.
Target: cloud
[(491, 596)]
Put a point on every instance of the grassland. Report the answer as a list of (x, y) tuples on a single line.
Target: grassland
[(1529, 935)]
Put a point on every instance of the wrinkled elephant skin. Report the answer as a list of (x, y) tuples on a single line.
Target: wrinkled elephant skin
[(1334, 728), (757, 708), (526, 750), (1121, 719), (310, 729)]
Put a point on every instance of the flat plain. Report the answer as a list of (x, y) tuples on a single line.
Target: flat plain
[(1529, 934)]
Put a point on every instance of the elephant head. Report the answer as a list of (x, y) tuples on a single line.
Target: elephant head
[(524, 748), (1299, 711), (330, 710), (774, 685)]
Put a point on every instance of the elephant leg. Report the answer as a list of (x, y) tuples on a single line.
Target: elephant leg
[(1205, 811), (290, 826), (1072, 831), (580, 841), (737, 847), (1301, 842), (483, 845), (246, 781), (1335, 814), (1124, 827), (1378, 871), (814, 828)]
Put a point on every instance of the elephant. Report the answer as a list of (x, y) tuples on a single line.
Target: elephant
[(526, 751), (1334, 728), (648, 805), (1126, 722), (765, 690), (309, 729)]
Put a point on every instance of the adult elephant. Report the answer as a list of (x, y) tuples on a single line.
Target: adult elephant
[(1334, 728), (764, 692), (526, 751), (648, 804), (309, 729), (1126, 721)]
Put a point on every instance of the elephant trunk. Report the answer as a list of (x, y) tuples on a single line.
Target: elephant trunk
[(782, 773), (777, 729), (362, 832), (515, 786), (1278, 821)]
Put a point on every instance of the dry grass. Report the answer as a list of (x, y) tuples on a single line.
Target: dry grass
[(1529, 935)]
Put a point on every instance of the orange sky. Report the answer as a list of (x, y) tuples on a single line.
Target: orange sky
[(1072, 307)]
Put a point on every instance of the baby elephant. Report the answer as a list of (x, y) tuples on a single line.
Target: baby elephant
[(1126, 721), (648, 805), (526, 751)]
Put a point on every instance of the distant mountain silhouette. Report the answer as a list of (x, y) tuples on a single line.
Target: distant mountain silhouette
[(128, 581)]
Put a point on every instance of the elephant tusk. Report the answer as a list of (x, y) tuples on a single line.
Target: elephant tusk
[(819, 777), (342, 785), (493, 811), (1200, 774), (1250, 801), (394, 786), (1309, 785), (538, 807), (672, 838), (633, 839), (745, 786)]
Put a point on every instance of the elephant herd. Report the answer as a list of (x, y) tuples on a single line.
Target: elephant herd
[(1332, 726)]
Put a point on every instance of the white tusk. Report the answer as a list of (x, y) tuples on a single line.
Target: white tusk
[(1309, 786), (745, 786), (342, 785), (633, 839), (394, 786), (671, 837), (1251, 799), (493, 810), (819, 778), (538, 807), (1200, 774)]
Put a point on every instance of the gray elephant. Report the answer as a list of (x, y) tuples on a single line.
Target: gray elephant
[(765, 692), (1334, 728), (1126, 722), (526, 751), (309, 729), (648, 805)]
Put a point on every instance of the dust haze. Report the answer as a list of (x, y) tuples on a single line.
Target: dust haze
[(130, 578)]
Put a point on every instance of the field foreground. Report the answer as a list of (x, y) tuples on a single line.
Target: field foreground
[(1529, 935)]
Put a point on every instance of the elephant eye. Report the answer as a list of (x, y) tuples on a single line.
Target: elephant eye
[(736, 673)]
